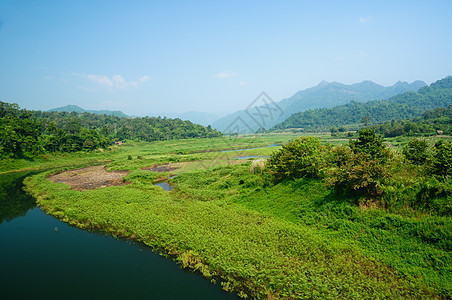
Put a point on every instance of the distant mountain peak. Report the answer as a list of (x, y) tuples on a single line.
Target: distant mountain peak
[(71, 108), (323, 83)]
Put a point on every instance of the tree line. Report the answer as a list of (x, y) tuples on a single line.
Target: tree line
[(438, 121)]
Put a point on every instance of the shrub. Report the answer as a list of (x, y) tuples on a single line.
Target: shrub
[(299, 158), (435, 195), (360, 176)]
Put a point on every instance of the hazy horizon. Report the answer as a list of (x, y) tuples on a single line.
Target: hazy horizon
[(150, 58)]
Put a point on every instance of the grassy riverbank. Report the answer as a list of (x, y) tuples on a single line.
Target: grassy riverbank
[(295, 239)]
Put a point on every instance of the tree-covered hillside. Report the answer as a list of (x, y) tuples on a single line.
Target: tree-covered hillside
[(324, 95), (403, 106), (26, 133)]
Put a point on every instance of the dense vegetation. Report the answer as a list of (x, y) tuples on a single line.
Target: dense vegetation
[(26, 133), (368, 171), (118, 128), (403, 106), (307, 231), (23, 135), (438, 121)]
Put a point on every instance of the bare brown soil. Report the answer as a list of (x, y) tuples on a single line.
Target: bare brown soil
[(90, 178), (161, 168)]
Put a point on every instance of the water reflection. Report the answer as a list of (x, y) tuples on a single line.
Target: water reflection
[(14, 202)]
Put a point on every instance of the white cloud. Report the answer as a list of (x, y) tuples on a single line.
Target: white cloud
[(226, 74), (145, 78), (116, 81), (365, 20), (243, 83), (101, 80)]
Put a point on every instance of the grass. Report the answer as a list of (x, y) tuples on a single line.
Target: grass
[(296, 239)]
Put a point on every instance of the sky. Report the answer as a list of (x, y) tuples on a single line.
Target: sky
[(150, 57)]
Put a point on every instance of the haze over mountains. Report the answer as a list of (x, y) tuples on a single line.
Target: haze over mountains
[(324, 95), (77, 109)]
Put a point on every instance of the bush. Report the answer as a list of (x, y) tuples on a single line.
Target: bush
[(435, 195), (362, 170), (301, 157), (360, 176)]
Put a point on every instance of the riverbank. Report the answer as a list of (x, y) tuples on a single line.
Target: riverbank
[(62, 255), (296, 239)]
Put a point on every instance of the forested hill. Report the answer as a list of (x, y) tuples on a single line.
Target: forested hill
[(403, 106), (438, 121), (325, 94), (119, 128), (78, 109), (26, 133)]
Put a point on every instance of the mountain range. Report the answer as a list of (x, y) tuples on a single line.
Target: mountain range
[(324, 95), (77, 109), (402, 106)]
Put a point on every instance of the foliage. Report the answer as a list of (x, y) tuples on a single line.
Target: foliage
[(442, 159), (121, 128), (29, 133), (360, 176), (434, 195), (432, 122), (370, 144), (301, 157), (19, 132)]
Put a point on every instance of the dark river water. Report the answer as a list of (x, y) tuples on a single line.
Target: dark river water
[(43, 258)]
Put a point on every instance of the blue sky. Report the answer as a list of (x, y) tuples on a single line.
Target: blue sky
[(148, 57)]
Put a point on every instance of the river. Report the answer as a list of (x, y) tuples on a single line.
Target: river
[(44, 258)]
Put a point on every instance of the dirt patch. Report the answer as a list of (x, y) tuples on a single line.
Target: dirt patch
[(161, 168), (90, 178)]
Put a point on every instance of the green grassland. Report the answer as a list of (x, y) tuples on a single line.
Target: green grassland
[(295, 239)]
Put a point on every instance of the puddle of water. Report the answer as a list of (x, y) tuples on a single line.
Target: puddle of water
[(269, 146), (251, 156), (165, 186)]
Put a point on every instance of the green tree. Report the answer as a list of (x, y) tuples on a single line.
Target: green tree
[(416, 151), (371, 144), (442, 159), (300, 157), (365, 120)]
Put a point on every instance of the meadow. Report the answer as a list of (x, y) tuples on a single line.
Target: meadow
[(296, 239)]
